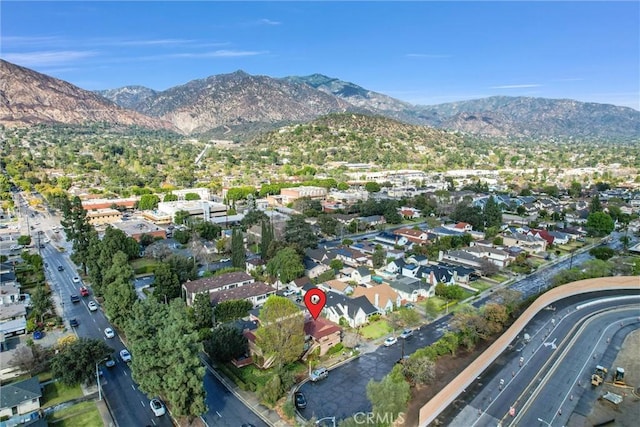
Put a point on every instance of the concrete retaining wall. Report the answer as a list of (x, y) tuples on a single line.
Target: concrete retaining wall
[(447, 395)]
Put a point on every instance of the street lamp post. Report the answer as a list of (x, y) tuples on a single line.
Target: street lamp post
[(98, 382), (333, 419), (543, 421)]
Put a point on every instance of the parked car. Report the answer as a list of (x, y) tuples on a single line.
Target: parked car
[(73, 322), (299, 400), (92, 306), (390, 341), (108, 332), (110, 362), (60, 268), (157, 407), (409, 305), (319, 374), (76, 279), (288, 292), (84, 291), (125, 355), (407, 333), (225, 260), (75, 298)]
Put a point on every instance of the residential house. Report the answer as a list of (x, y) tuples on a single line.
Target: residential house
[(361, 275), (256, 293), (543, 234), (365, 247), (255, 264), (418, 259), (371, 221), (215, 284), (9, 293), (493, 255), (410, 270), (443, 231), (462, 227), (297, 284), (434, 274), (531, 244), (390, 240), (13, 319), (354, 311), (351, 257), (395, 266), (560, 238), (395, 253), (461, 258), (461, 274), (314, 269), (337, 286), (318, 255), (321, 333), (345, 219), (20, 398), (383, 297), (414, 236), (409, 213), (410, 289)]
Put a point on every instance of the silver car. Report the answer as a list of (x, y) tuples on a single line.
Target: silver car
[(319, 374)]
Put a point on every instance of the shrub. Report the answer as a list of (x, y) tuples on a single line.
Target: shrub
[(335, 349), (375, 317)]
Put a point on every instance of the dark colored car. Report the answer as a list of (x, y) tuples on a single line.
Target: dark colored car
[(74, 322), (299, 400), (60, 268), (75, 298)]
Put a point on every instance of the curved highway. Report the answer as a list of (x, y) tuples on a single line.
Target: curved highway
[(549, 376)]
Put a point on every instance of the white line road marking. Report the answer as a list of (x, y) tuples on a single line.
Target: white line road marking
[(154, 423), (125, 372), (142, 403), (133, 387), (219, 414)]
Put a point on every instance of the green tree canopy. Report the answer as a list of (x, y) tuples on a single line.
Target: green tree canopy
[(238, 254), (298, 233), (286, 265), (228, 311), (226, 343), (75, 362), (599, 224), (148, 202), (166, 285), (281, 332)]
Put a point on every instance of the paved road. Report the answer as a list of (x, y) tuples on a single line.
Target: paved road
[(488, 403)]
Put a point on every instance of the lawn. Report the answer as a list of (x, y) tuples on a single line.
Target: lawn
[(143, 265), (497, 278), (376, 329), (481, 285), (83, 414), (57, 392)]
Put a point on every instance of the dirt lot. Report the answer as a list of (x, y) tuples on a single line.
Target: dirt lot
[(627, 414)]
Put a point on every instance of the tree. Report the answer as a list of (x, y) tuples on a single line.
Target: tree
[(389, 396), (75, 362), (170, 197), (119, 297), (165, 355), (599, 224), (181, 217), (575, 190), (328, 225), (372, 187), (496, 316), (207, 230), (266, 237), (148, 202), (184, 267), (40, 302), (24, 240), (77, 229), (602, 252), (231, 310), (166, 285), (419, 370), (470, 214), (596, 205), (280, 335), (336, 264), (254, 216), (238, 254), (202, 311), (182, 236), (32, 358), (488, 268), (298, 233), (226, 343), (286, 265), (431, 308), (492, 214), (378, 258)]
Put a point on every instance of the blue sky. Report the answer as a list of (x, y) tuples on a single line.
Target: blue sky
[(421, 52)]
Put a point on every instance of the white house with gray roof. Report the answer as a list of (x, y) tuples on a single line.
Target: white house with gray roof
[(355, 311)]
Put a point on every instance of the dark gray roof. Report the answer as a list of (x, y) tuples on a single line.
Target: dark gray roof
[(364, 271), (407, 284), (352, 304), (242, 292), (209, 283), (14, 394), (315, 254)]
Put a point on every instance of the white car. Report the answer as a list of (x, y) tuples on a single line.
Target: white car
[(92, 306), (390, 341), (76, 279), (109, 333), (157, 407), (125, 356)]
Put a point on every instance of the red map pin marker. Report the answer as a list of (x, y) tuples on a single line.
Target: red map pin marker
[(315, 299)]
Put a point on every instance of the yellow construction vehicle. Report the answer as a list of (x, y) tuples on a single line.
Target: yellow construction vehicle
[(598, 376), (618, 377)]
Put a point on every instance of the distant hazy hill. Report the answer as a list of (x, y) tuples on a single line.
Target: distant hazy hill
[(28, 97), (131, 97)]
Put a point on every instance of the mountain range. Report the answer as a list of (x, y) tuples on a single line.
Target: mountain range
[(233, 105)]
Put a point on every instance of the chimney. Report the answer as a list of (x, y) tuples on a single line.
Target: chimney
[(440, 255), (377, 300)]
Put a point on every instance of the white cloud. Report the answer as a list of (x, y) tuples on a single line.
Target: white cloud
[(521, 86), (427, 55), (269, 22), (47, 58), (10, 42), (211, 54)]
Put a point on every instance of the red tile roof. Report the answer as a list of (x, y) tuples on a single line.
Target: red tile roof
[(320, 328)]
